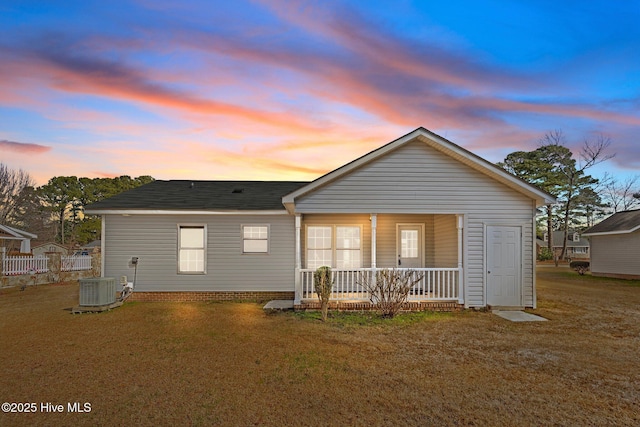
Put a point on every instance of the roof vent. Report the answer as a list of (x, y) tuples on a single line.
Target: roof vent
[(237, 191)]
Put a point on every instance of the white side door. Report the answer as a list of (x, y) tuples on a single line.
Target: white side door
[(504, 285)]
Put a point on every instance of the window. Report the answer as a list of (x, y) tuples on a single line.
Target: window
[(409, 243), (319, 246), (347, 247), (191, 249), (343, 253), (255, 239)]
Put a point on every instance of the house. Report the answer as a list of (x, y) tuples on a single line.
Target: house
[(11, 235), (50, 247), (577, 247), (419, 202), (615, 246)]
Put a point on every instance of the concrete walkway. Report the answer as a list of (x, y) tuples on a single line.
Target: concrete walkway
[(519, 316), (278, 305)]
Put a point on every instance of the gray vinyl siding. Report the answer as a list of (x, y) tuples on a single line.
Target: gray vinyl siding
[(417, 179), (153, 238), (616, 254)]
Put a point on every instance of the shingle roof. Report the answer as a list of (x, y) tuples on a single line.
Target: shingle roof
[(619, 222), (200, 195)]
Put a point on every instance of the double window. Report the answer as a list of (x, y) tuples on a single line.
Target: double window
[(192, 241), (334, 246)]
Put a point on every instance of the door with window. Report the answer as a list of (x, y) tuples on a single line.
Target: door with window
[(410, 246)]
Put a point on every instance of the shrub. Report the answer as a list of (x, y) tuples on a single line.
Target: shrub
[(323, 284), (390, 289), (545, 254), (580, 266)]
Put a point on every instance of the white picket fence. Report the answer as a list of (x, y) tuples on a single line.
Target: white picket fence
[(19, 265)]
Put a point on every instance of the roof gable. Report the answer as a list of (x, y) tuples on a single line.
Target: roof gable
[(206, 196), (49, 244), (619, 223), (438, 143), (7, 232)]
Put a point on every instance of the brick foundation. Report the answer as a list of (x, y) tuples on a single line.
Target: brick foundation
[(210, 296), (366, 306)]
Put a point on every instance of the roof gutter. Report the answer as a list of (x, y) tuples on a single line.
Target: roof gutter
[(127, 212)]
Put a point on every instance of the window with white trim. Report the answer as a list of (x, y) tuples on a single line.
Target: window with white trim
[(347, 247), (319, 252), (343, 252), (191, 249), (255, 239)]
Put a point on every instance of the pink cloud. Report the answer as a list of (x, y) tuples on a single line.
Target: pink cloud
[(23, 147)]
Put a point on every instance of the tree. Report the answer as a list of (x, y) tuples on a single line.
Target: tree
[(59, 195), (577, 185), (14, 185), (540, 168), (622, 195), (552, 168), (66, 197)]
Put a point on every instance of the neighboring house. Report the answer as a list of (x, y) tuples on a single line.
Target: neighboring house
[(50, 247), (615, 246), (419, 202), (577, 247), (14, 239)]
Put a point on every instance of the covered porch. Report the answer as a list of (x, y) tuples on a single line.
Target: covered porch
[(357, 246)]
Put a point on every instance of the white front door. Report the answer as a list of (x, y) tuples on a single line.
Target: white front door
[(503, 266), (410, 246)]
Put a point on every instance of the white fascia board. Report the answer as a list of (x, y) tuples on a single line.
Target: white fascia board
[(180, 212), (18, 234)]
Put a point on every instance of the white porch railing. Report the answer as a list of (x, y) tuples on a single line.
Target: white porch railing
[(19, 265), (437, 284)]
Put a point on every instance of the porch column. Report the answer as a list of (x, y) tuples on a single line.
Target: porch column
[(25, 246), (374, 226), (460, 227), (298, 262)]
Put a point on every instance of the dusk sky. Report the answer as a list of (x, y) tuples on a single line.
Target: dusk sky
[(288, 90)]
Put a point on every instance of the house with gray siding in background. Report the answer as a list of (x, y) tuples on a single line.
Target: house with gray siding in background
[(421, 202), (615, 246)]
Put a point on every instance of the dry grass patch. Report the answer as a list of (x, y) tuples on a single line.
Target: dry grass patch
[(231, 364)]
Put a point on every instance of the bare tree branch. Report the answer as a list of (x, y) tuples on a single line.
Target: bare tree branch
[(594, 152), (12, 184)]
